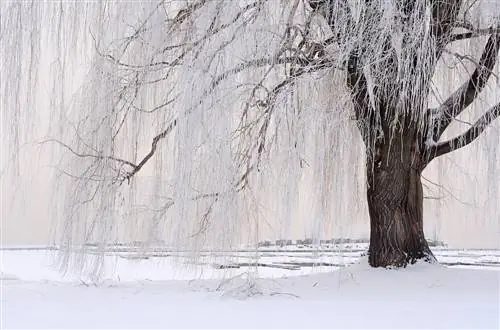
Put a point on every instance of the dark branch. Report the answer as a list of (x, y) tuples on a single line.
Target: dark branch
[(357, 83), (152, 151), (257, 63), (474, 34), (470, 135), (468, 92)]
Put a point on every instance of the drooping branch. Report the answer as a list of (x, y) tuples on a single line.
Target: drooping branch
[(469, 91), (269, 103), (185, 47), (305, 65), (470, 135)]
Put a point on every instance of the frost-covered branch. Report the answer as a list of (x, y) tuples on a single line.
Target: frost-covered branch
[(468, 92), (469, 136)]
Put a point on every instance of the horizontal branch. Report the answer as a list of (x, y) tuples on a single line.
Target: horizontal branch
[(470, 135), (304, 63), (83, 155), (468, 92), (474, 34)]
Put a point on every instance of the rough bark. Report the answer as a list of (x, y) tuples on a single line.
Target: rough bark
[(395, 204)]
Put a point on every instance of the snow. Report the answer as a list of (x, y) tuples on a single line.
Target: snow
[(152, 294)]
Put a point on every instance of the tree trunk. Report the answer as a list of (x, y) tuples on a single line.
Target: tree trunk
[(395, 204)]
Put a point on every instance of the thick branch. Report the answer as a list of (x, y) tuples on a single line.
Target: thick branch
[(468, 92), (474, 34), (470, 135), (357, 83)]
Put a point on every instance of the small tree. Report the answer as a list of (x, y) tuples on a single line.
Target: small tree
[(249, 60)]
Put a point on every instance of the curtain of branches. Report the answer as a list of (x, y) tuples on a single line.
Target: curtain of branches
[(214, 123)]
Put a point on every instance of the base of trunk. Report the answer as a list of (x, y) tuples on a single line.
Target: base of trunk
[(388, 256)]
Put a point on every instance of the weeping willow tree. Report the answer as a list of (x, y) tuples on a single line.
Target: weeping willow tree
[(227, 106)]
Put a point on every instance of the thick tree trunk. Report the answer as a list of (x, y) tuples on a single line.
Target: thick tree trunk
[(395, 204)]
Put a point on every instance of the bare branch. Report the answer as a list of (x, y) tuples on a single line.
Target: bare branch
[(474, 34), (152, 151), (307, 65), (468, 92), (180, 18), (469, 58), (83, 155), (156, 108), (470, 135)]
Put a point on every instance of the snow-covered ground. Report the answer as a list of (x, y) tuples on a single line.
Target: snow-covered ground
[(149, 292)]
